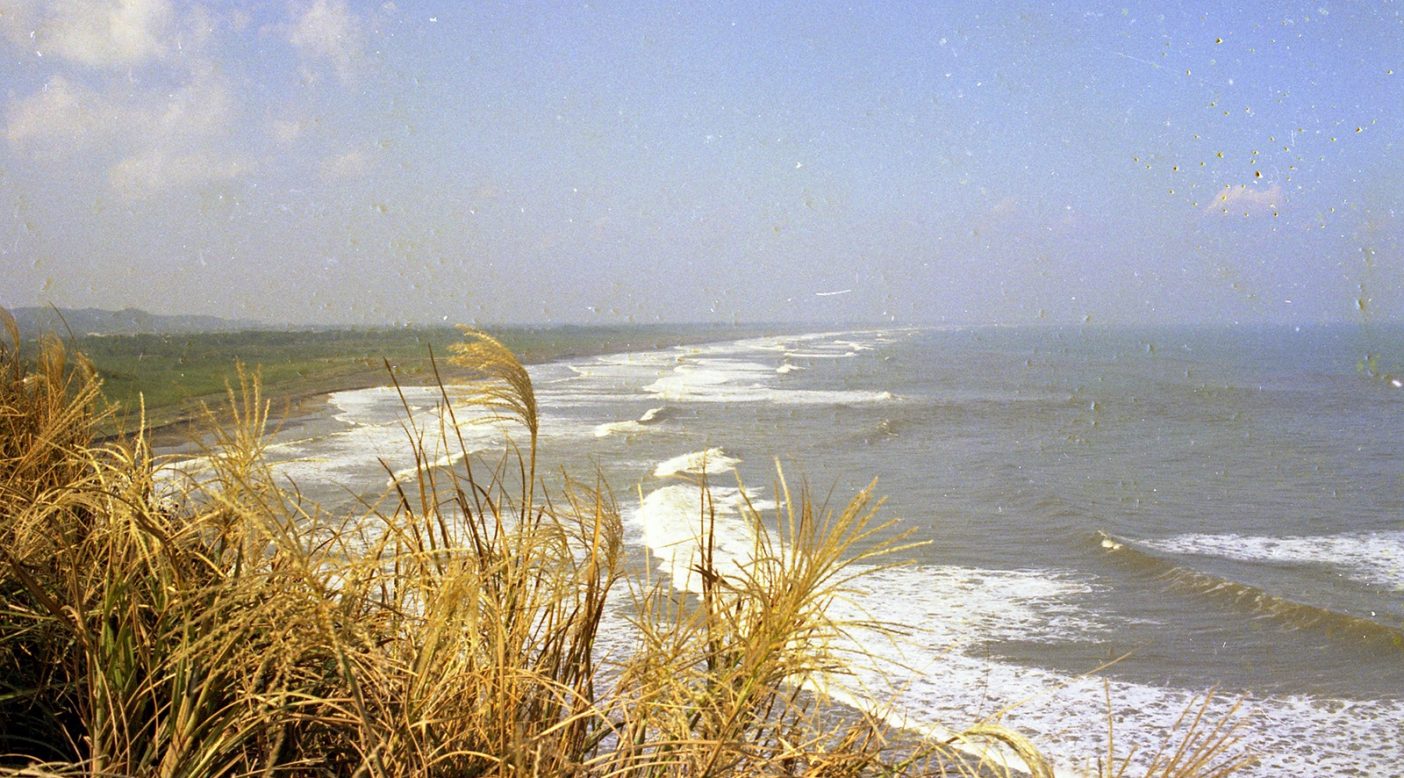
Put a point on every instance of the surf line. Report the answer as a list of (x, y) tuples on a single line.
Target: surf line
[(1288, 612)]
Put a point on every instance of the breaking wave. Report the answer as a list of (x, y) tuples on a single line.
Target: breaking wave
[(1255, 600)]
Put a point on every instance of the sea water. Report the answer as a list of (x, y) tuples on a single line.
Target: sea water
[(1132, 515)]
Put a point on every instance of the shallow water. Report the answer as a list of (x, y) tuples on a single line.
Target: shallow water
[(1219, 507)]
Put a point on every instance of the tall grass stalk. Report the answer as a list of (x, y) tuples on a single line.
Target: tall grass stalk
[(227, 626)]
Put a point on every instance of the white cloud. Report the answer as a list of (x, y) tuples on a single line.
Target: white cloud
[(1245, 200), (183, 140), (95, 33), (159, 169), (203, 106), (160, 141), (61, 117), (179, 122), (328, 30)]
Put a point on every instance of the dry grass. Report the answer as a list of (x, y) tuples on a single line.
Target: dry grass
[(452, 629), (1197, 744)]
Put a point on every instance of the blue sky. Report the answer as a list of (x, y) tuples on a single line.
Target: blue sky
[(332, 161)]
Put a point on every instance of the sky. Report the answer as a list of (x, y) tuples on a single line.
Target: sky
[(326, 161)]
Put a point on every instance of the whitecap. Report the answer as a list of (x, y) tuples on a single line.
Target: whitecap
[(650, 418), (1375, 558), (820, 354), (712, 461), (652, 415), (621, 427)]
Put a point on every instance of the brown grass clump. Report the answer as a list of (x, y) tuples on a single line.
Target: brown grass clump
[(229, 627)]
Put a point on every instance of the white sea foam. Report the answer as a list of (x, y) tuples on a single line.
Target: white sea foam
[(608, 379), (814, 354), (947, 615), (818, 397), (716, 381), (943, 689), (625, 368), (629, 427), (381, 403), (712, 461), (1374, 557), (354, 406), (352, 456), (650, 418), (958, 606), (746, 371), (765, 394), (670, 523), (376, 433), (734, 371), (640, 360), (379, 437)]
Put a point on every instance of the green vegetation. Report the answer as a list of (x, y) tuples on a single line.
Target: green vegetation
[(451, 629), (175, 374)]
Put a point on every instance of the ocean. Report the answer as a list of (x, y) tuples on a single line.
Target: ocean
[(1213, 508)]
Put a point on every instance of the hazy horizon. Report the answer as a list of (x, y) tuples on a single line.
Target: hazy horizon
[(1365, 327), (348, 163)]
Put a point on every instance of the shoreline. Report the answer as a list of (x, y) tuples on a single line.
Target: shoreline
[(289, 401)]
